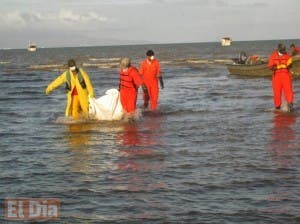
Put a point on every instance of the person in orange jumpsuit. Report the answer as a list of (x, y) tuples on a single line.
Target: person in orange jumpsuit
[(130, 81), (279, 63), (150, 71), (294, 50)]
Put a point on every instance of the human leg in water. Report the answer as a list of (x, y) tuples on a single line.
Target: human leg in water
[(76, 108)]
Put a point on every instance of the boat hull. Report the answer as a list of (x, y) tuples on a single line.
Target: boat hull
[(31, 49), (261, 70)]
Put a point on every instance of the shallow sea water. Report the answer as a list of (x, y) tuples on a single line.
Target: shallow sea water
[(214, 152)]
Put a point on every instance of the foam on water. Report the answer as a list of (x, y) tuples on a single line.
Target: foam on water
[(132, 117), (4, 62)]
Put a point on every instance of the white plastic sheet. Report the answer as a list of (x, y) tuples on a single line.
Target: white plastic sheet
[(107, 107)]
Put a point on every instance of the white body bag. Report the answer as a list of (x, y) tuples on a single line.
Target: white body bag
[(107, 107)]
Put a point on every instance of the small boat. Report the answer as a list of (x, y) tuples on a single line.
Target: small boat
[(31, 47), (226, 41), (261, 69)]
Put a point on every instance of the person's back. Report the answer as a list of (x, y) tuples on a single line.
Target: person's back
[(242, 58), (254, 60), (130, 81)]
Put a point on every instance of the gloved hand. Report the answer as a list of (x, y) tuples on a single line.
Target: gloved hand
[(281, 66), (47, 91), (161, 81), (145, 91), (274, 68), (145, 96)]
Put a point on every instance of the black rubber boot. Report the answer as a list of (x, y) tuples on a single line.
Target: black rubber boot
[(290, 107)]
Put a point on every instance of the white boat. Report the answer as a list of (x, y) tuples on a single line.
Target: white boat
[(31, 47), (226, 41)]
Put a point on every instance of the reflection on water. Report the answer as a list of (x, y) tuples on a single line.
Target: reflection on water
[(132, 152), (139, 152), (282, 148), (140, 166), (283, 139), (129, 135), (147, 132), (78, 138), (78, 135), (198, 161)]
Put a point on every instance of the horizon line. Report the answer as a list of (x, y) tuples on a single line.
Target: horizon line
[(142, 44)]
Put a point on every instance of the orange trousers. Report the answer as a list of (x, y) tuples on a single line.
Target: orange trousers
[(282, 83), (153, 91), (128, 98)]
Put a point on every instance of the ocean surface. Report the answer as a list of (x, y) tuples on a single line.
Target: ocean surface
[(214, 152)]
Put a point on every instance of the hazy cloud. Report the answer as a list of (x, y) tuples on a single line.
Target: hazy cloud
[(158, 21), (22, 20), (69, 16), (12, 20)]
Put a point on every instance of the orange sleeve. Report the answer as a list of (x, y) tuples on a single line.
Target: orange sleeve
[(142, 68), (137, 79)]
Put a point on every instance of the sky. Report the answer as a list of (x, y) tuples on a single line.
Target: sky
[(59, 23)]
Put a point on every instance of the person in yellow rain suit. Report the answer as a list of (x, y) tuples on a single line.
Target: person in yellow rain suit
[(79, 88)]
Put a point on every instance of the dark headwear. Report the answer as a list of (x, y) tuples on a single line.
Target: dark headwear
[(71, 63), (150, 53), (292, 45), (281, 49)]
